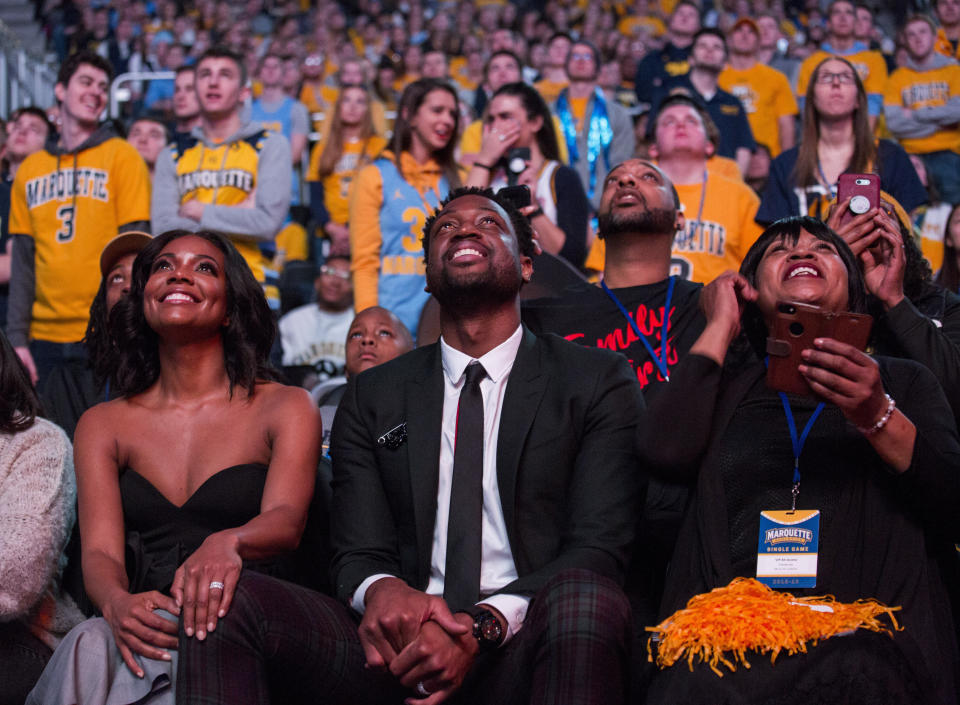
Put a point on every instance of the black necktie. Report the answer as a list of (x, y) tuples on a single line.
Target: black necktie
[(461, 585)]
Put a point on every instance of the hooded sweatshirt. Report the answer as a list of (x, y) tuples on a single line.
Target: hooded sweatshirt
[(922, 105), (224, 175), (66, 206)]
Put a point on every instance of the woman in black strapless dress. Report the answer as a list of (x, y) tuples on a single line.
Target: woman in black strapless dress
[(201, 469)]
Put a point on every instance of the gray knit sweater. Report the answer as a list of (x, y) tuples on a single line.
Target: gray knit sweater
[(38, 492)]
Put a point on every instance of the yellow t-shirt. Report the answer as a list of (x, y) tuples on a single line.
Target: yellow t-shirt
[(766, 96), (550, 90), (72, 209), (718, 242), (869, 64), (911, 89), (336, 186)]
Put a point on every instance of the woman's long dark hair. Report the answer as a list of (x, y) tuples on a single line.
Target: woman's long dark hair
[(413, 97), (247, 336), (534, 106), (788, 230), (101, 346), (864, 157), (19, 404)]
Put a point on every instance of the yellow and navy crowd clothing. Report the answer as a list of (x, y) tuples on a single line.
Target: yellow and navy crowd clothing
[(65, 207), (922, 105), (766, 96), (388, 207), (330, 195), (726, 111), (716, 236), (657, 67), (782, 197), (870, 64), (224, 175)]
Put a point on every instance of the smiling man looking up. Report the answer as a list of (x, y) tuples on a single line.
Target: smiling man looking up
[(492, 427), (69, 199)]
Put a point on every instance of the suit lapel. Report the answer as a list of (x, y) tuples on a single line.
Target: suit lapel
[(520, 403), (423, 406)]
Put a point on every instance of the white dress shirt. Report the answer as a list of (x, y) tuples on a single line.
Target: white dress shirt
[(496, 566)]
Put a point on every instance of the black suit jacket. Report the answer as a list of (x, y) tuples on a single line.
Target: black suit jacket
[(569, 482)]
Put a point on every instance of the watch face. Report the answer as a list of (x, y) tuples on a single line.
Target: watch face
[(490, 628)]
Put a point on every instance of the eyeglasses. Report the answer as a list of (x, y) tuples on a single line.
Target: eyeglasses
[(845, 78), (582, 55), (334, 272)]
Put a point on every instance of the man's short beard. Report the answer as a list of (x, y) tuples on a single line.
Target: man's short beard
[(656, 221), (472, 293)]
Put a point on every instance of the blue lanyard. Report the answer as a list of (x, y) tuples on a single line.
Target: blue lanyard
[(660, 362), (823, 178), (798, 443)]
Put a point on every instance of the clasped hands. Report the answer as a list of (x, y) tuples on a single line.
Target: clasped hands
[(417, 639)]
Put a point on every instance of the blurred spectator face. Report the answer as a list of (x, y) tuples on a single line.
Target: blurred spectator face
[(684, 21), (502, 70), (124, 31), (920, 39), (84, 97), (863, 26), (769, 31), (271, 71), (709, 53), (351, 74), (200, 43), (609, 78), (219, 89), (948, 12), (434, 65), (175, 57), (557, 51), (506, 112), (471, 43), (375, 336), (837, 97), (185, 103), (101, 22), (435, 122), (291, 75), (312, 67), (841, 20), (353, 105), (743, 40), (148, 138), (118, 279), (488, 18), (538, 56), (334, 285), (581, 64), (412, 59), (680, 129), (25, 135), (502, 39)]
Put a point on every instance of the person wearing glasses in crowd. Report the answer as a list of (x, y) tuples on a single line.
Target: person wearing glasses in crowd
[(312, 335), (836, 138)]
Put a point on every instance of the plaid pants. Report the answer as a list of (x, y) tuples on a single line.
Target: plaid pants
[(284, 643)]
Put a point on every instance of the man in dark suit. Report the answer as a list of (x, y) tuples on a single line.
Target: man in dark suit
[(485, 495)]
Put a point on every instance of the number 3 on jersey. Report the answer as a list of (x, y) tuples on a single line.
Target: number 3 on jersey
[(65, 215)]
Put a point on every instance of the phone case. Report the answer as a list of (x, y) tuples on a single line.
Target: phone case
[(794, 330), (862, 189)]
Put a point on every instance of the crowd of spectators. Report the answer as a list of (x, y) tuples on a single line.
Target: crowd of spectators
[(312, 145)]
